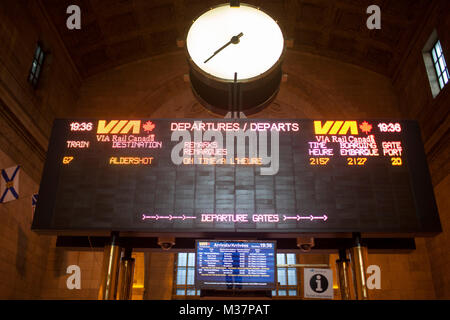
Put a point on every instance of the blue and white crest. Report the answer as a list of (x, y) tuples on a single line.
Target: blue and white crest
[(9, 189)]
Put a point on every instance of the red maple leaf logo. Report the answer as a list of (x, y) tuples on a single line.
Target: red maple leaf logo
[(366, 127), (148, 126)]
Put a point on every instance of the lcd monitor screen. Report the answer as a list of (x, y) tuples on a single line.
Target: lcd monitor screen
[(235, 265)]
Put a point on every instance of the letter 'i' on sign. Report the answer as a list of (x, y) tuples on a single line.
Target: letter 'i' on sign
[(374, 280), (74, 280), (319, 283), (374, 21), (74, 20)]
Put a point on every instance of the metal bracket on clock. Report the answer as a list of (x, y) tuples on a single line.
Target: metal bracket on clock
[(235, 3)]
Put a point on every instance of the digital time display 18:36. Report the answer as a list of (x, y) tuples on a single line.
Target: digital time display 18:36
[(236, 176)]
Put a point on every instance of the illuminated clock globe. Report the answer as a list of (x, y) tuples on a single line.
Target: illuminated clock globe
[(235, 56)]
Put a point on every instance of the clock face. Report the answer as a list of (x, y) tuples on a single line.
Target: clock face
[(225, 40)]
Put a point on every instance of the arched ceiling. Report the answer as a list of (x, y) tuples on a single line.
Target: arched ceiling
[(116, 32)]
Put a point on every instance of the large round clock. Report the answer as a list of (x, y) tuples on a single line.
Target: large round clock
[(235, 56)]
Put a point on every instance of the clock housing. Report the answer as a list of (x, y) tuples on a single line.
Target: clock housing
[(243, 76)]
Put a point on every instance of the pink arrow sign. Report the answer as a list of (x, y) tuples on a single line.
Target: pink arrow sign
[(310, 217), (324, 218), (169, 217)]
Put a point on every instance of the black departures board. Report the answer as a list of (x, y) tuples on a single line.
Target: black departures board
[(205, 176)]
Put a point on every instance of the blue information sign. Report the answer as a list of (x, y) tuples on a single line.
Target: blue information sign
[(235, 265)]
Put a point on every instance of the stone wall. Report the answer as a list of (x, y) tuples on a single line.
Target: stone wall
[(416, 101), (26, 116), (27, 113), (159, 275), (54, 286), (317, 87), (23, 253)]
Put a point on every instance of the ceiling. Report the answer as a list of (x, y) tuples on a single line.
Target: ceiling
[(116, 32)]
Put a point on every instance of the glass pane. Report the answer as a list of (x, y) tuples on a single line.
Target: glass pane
[(282, 276), (38, 52), (191, 259), (433, 53), (292, 292), (438, 49), (438, 68), (191, 292), (41, 57), (281, 258), (442, 63), (441, 82), (445, 77), (190, 277), (180, 292), (274, 293), (198, 292), (292, 277), (281, 292), (181, 276), (38, 71), (291, 258), (182, 259), (34, 66)]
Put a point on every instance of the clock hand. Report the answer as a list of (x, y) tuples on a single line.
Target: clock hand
[(233, 40)]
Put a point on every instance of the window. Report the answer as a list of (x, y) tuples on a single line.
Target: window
[(436, 67), (287, 277), (184, 276), (439, 65), (36, 66)]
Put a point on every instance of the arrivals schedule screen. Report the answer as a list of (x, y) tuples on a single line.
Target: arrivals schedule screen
[(235, 265), (206, 176)]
